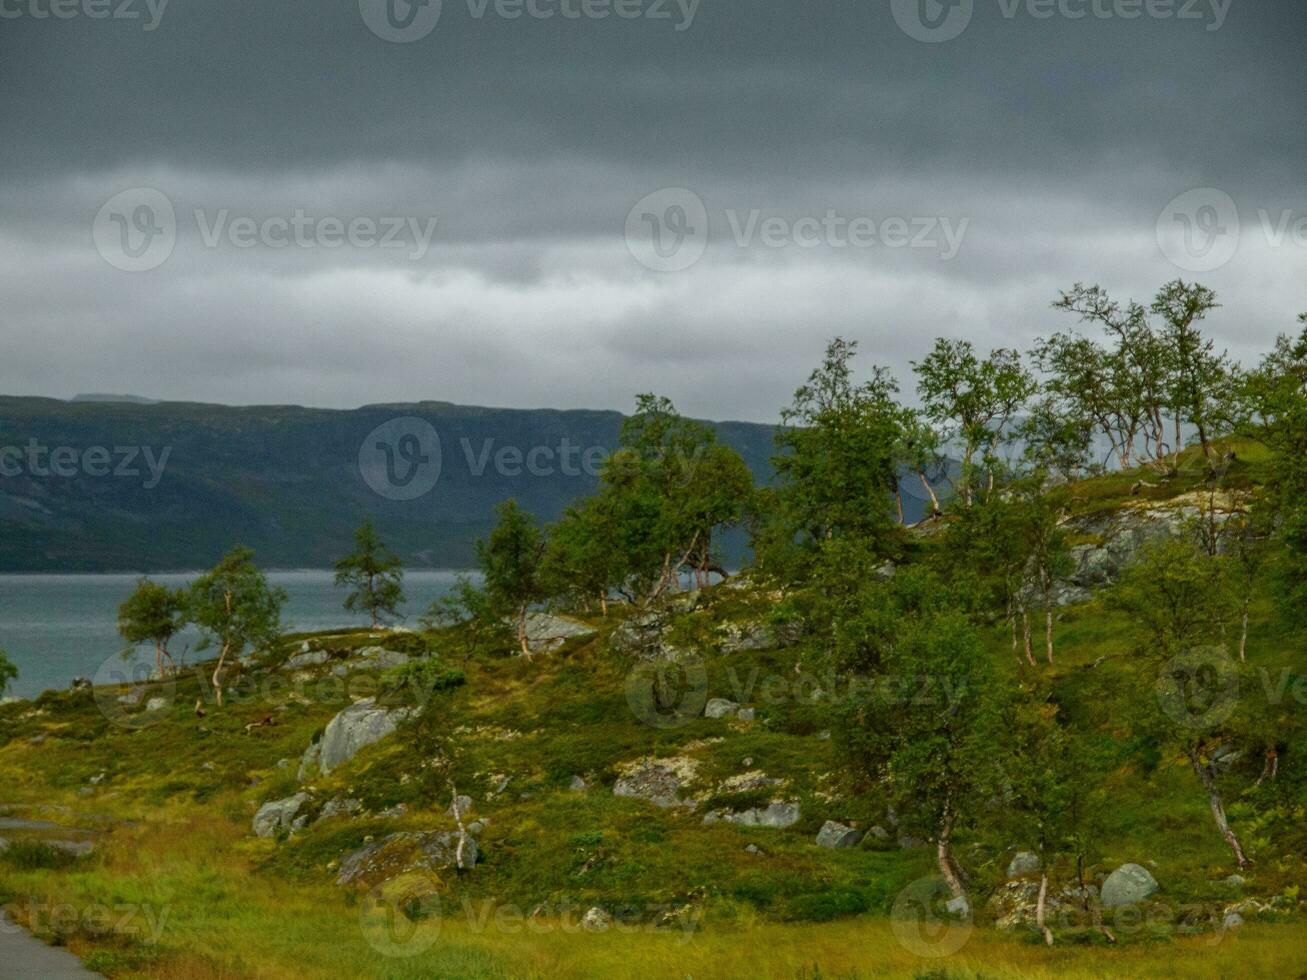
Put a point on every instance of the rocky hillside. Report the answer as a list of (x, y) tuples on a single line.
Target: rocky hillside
[(671, 771)]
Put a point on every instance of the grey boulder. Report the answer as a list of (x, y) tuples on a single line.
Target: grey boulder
[(1024, 863), (837, 836), (278, 815), (362, 724), (1128, 885)]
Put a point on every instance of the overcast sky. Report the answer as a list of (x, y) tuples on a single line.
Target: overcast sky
[(889, 171)]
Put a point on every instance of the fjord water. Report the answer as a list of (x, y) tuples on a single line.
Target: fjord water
[(58, 627)]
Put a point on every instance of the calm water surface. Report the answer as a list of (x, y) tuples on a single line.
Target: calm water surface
[(57, 627)]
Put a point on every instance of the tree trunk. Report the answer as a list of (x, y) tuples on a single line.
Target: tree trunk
[(1243, 634), (1040, 908), (521, 632), (1048, 631), (217, 673), (1204, 773), (462, 831), (930, 491), (1025, 629), (898, 500), (944, 857)]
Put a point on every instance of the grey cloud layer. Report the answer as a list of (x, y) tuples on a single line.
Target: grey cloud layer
[(1060, 141)]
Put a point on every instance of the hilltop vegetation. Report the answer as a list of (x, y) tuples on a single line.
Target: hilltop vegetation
[(1054, 729)]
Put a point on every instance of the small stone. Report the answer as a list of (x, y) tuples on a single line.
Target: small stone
[(157, 704), (959, 906), (720, 708), (879, 832), (837, 836), (577, 785), (746, 714), (1235, 881), (596, 920), (753, 849)]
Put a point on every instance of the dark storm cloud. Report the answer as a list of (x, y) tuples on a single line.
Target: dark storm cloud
[(1057, 141)]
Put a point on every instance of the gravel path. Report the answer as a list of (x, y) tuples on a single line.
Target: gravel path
[(24, 957)]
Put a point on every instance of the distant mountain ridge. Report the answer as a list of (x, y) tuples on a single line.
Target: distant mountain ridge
[(137, 486)]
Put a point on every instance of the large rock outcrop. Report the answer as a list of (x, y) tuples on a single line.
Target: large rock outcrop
[(361, 724)]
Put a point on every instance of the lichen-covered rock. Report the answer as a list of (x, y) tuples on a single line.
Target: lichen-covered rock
[(546, 633), (778, 814), (659, 781), (1129, 884), (338, 807), (404, 852), (309, 658), (642, 636), (746, 637), (278, 815), (837, 836), (361, 724), (596, 920)]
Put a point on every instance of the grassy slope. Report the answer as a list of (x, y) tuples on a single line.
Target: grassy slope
[(176, 800)]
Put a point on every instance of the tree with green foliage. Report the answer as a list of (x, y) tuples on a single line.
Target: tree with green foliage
[(1278, 391), (580, 560), (152, 614), (375, 574), (510, 562), (664, 492), (939, 751), (974, 401), (840, 446), (8, 672), (235, 609), (1203, 385), (1180, 607), (1121, 390), (1056, 803)]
